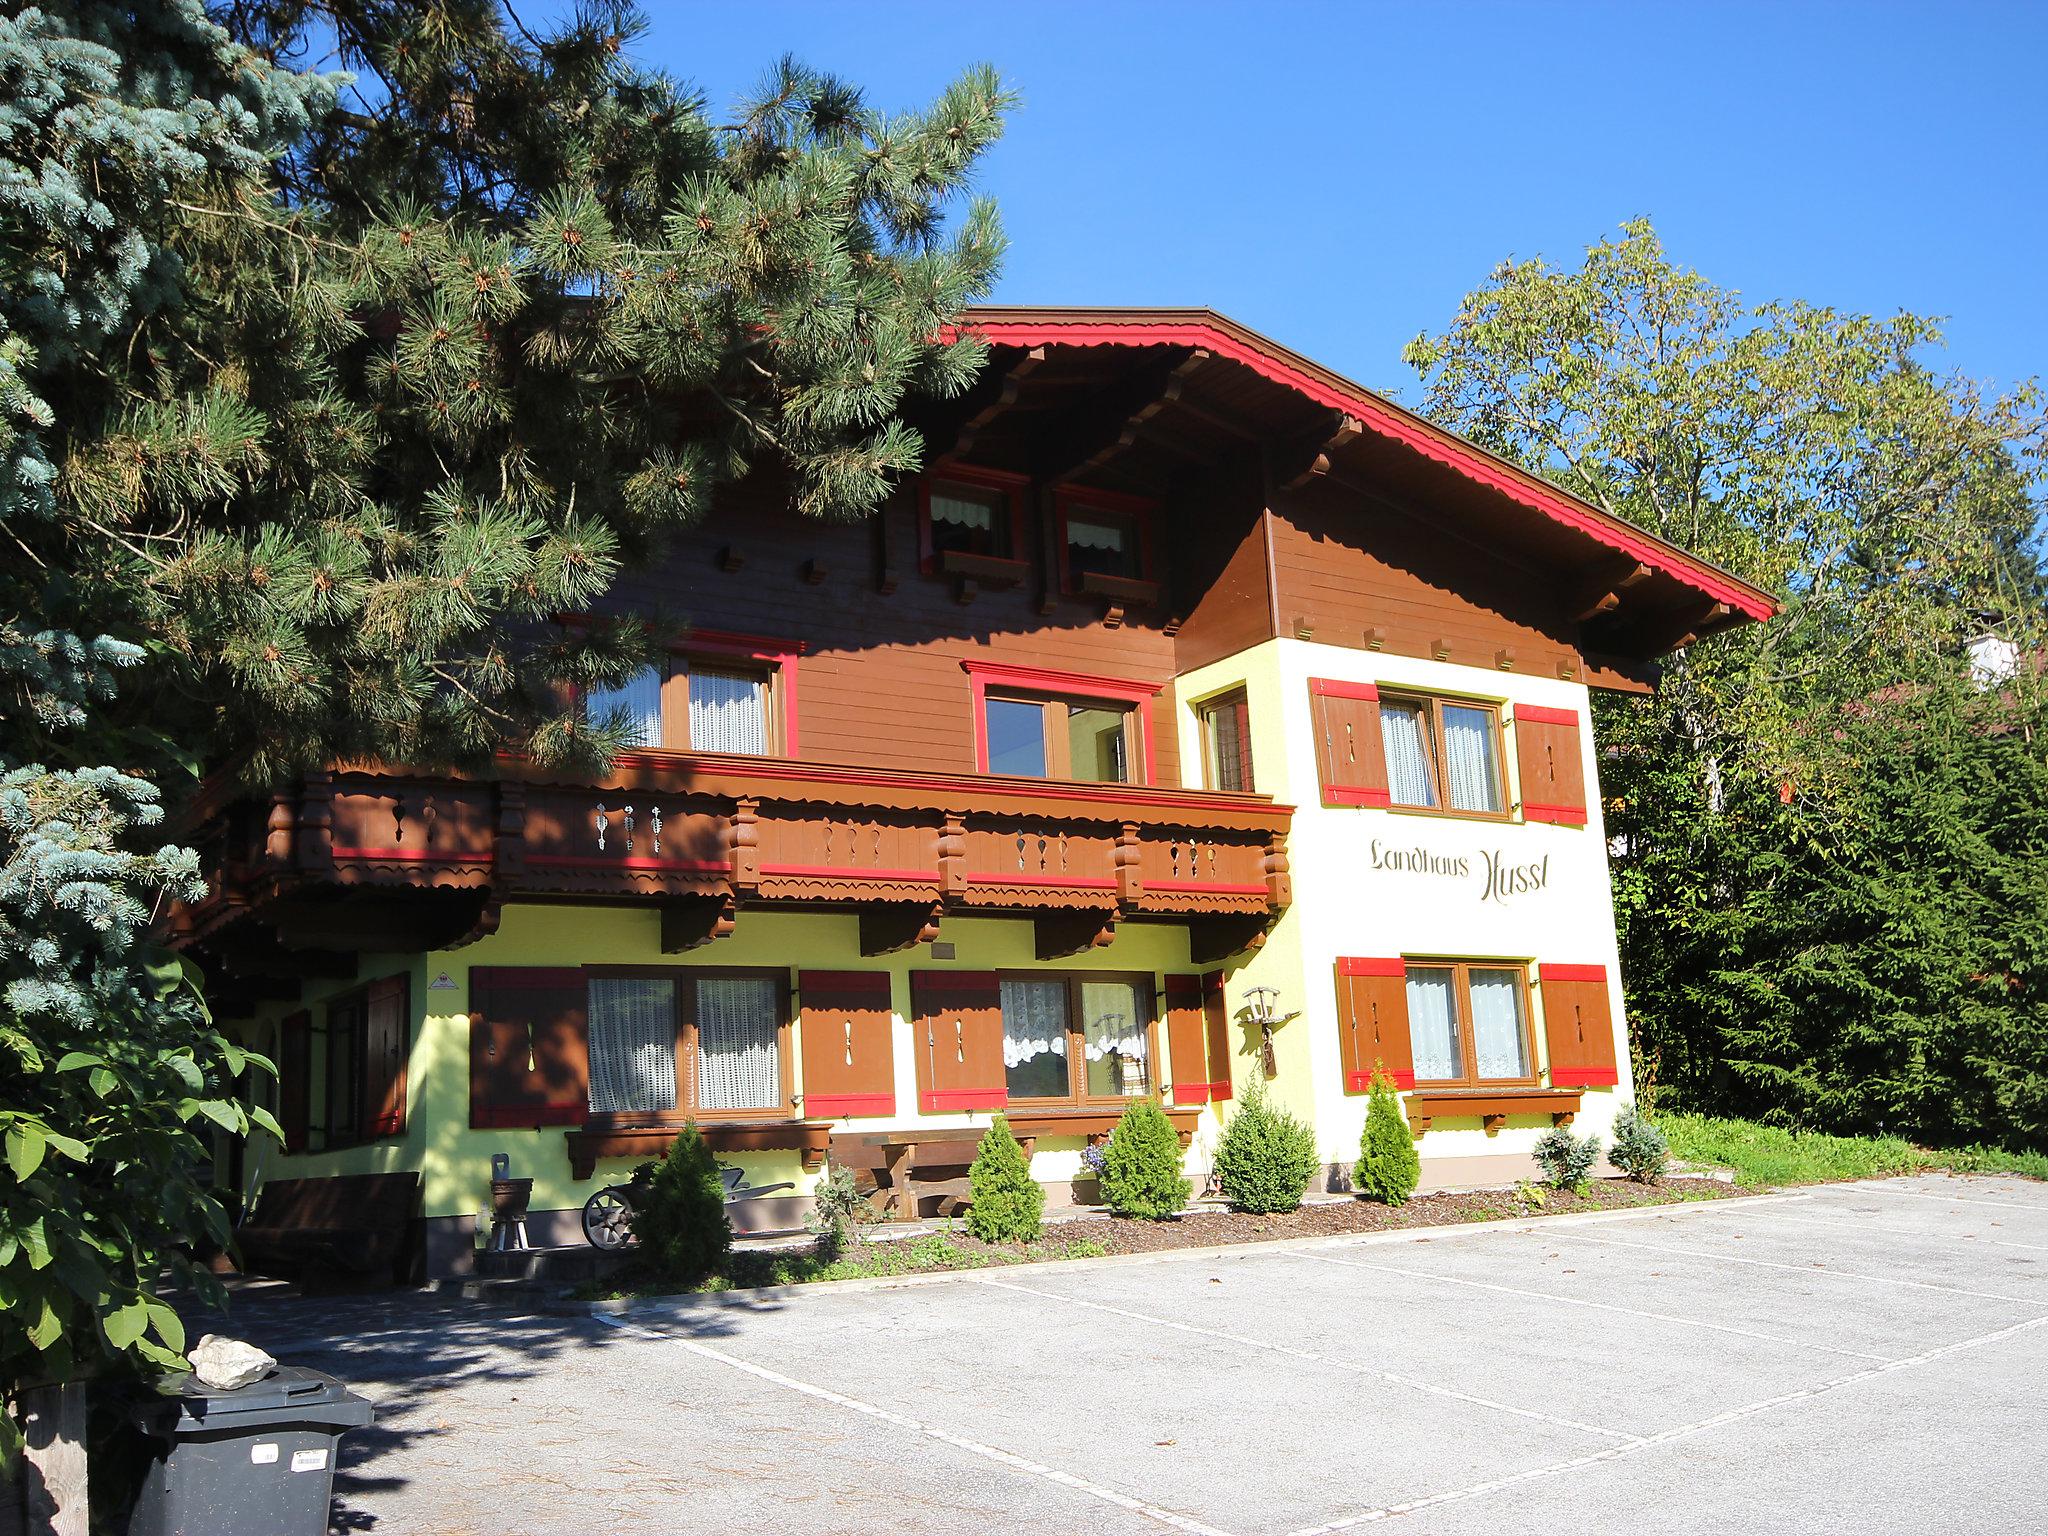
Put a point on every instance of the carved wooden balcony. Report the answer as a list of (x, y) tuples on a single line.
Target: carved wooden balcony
[(708, 835)]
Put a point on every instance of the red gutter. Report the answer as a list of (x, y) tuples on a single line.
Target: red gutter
[(1388, 422)]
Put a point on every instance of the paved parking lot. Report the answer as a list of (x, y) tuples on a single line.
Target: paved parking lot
[(1859, 1357)]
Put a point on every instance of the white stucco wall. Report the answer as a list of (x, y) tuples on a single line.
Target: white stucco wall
[(1344, 906)]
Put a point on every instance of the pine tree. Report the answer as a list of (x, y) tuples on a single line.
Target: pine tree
[(1388, 1168), (1008, 1203), (1141, 1172)]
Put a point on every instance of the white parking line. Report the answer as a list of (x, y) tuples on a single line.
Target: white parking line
[(1663, 1437), (1863, 1223), (1802, 1269), (1600, 1306), (1308, 1354), (1001, 1457), (1915, 1194)]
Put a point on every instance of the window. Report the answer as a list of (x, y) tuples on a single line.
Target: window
[(1077, 1038), (1469, 1023), (1105, 544), (359, 1048), (1442, 754), (971, 522), (637, 699), (719, 694), (1227, 742), (1090, 739), (669, 1044)]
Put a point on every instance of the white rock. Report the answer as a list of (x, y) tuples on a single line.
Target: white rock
[(224, 1364)]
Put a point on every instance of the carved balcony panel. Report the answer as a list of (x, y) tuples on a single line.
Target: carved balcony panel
[(746, 832)]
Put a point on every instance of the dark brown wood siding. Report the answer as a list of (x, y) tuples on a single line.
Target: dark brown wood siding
[(1353, 570), (880, 682)]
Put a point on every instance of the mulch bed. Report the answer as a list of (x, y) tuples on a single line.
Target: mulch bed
[(1336, 1217)]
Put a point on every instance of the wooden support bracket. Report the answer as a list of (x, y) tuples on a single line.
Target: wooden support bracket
[(889, 927)]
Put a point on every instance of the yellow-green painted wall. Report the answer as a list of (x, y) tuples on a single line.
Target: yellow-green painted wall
[(454, 1160)]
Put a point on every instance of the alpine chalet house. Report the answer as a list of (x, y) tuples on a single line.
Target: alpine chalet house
[(1199, 716)]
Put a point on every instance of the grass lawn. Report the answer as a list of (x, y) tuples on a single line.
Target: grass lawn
[(1763, 1155)]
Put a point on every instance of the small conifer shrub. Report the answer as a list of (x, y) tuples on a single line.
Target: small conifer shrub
[(1566, 1159), (1639, 1149), (1008, 1203), (1141, 1171), (679, 1219), (1267, 1156), (1388, 1168)]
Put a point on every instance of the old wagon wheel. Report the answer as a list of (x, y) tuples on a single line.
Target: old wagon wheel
[(608, 1218)]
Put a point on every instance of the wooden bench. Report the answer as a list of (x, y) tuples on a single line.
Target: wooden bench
[(358, 1222), (899, 1169)]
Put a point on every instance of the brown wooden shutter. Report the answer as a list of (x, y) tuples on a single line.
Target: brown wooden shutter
[(849, 1046), (1351, 762), (386, 1037), (1372, 1023), (1579, 1026), (1553, 773), (1198, 1038), (959, 1040), (295, 1079), (1216, 1014), (529, 1045)]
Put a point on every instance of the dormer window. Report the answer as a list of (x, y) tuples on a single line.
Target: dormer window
[(1105, 545), (970, 523)]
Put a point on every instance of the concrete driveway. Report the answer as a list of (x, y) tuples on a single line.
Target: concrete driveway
[(1859, 1357)]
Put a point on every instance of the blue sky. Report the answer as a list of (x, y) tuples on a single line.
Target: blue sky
[(1340, 175)]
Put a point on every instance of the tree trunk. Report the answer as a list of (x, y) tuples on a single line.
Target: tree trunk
[(45, 1494)]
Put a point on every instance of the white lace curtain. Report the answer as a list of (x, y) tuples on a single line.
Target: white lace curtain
[(1497, 1033), (1433, 1025), (728, 711), (1113, 1035), (632, 1046), (1470, 765), (1088, 533), (640, 697), (962, 513), (1403, 731), (738, 1065), (1035, 1037)]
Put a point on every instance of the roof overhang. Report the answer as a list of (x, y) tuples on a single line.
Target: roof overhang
[(1726, 598)]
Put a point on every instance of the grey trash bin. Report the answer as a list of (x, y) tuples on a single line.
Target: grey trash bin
[(256, 1461)]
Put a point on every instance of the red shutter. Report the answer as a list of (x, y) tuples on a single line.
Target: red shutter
[(1198, 1038), (1553, 772), (1372, 1023), (849, 1049), (386, 1033), (295, 1079), (959, 1037), (1351, 762), (1578, 1024), (529, 1046)]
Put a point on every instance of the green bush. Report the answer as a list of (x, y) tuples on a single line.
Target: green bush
[(838, 1210), (1141, 1171), (1564, 1158), (679, 1219), (1008, 1202), (1639, 1150), (1388, 1168), (1267, 1156)]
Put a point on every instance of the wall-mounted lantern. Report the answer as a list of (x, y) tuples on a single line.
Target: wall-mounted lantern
[(1262, 1007)]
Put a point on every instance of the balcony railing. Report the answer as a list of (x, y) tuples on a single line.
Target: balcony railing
[(748, 831)]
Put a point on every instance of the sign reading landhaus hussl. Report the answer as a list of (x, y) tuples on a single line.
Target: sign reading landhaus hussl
[(1499, 879)]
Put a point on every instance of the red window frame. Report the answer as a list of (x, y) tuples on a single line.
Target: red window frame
[(1013, 487), (1070, 687), (1139, 509)]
